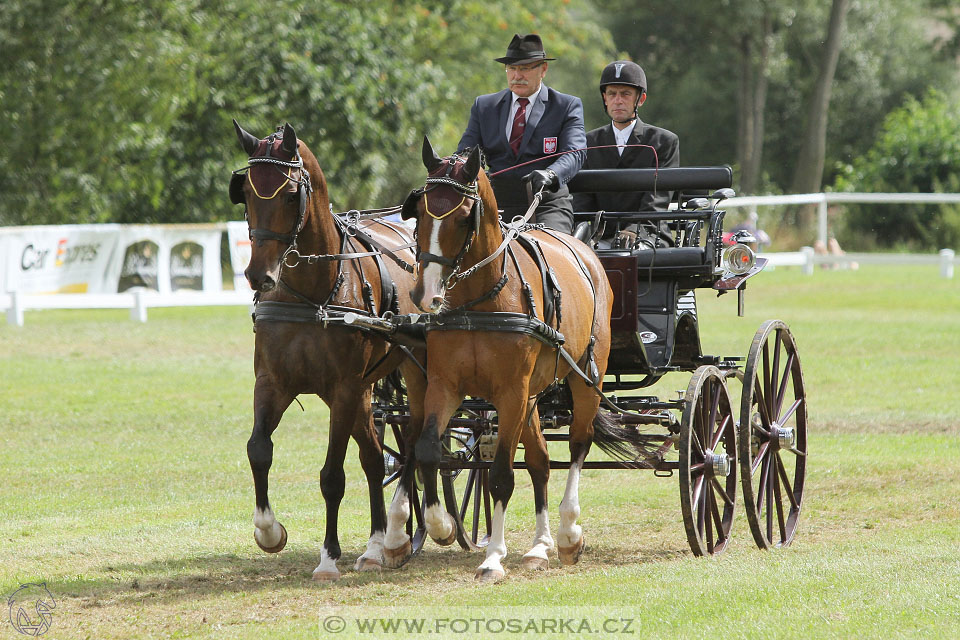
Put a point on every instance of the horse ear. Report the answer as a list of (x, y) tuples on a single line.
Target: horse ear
[(289, 139), (430, 158), (472, 166), (248, 141)]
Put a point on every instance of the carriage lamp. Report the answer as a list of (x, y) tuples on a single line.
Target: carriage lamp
[(739, 259)]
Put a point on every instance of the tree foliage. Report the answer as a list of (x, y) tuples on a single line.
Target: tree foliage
[(918, 150)]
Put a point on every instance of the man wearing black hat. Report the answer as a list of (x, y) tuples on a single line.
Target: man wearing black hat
[(529, 121), (623, 89)]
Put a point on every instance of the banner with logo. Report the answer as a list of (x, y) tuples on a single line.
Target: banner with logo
[(111, 258)]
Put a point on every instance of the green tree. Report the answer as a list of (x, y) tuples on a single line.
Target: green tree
[(918, 150)]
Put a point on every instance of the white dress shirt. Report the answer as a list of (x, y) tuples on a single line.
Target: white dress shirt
[(514, 106), (623, 135)]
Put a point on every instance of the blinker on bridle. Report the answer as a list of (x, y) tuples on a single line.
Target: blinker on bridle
[(304, 190), (469, 190)]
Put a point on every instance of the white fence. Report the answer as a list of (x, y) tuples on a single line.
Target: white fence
[(17, 299), (822, 200)]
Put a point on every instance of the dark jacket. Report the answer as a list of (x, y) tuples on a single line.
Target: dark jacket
[(667, 146), (555, 124)]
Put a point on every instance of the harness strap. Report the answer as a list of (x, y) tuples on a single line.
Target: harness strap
[(503, 321)]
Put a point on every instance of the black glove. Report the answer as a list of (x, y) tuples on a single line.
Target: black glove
[(542, 179)]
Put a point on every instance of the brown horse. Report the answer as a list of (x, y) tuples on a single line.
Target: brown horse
[(302, 344), (499, 358)]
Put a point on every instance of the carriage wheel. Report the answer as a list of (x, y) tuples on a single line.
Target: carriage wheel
[(773, 436), (466, 492), (708, 470), (394, 455)]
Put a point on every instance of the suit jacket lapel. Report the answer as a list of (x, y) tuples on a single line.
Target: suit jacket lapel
[(503, 113), (631, 155), (609, 156), (538, 107)]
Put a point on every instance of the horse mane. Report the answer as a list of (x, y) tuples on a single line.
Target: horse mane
[(321, 196)]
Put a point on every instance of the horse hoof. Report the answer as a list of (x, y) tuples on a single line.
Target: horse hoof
[(396, 558), (535, 563), (367, 564), (449, 540), (277, 548), (326, 575), (571, 555), (489, 575)]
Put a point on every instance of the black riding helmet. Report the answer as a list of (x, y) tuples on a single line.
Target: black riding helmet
[(623, 72)]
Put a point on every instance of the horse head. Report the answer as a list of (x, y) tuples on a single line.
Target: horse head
[(274, 188), (449, 212)]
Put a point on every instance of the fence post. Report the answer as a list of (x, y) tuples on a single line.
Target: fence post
[(15, 310), (138, 311), (822, 220), (807, 260), (946, 262)]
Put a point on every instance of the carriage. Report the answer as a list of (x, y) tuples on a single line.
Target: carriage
[(334, 316), (709, 439)]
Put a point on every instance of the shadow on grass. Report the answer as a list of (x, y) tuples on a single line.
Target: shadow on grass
[(174, 580)]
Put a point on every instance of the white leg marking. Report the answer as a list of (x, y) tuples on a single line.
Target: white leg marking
[(268, 531), (374, 552), (439, 523), (570, 531), (327, 569), (542, 540), (397, 521), (497, 549)]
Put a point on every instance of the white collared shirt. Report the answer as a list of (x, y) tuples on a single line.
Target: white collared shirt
[(622, 136), (514, 106)]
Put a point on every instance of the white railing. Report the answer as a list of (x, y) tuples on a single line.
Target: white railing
[(807, 259), (822, 200)]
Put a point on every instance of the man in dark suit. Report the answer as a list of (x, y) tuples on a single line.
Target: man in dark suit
[(623, 89), (529, 121)]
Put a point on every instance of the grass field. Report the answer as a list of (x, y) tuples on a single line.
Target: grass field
[(126, 489)]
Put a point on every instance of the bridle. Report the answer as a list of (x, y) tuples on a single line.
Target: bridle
[(304, 191), (469, 190)]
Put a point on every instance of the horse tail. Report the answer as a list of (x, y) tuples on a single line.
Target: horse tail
[(626, 445)]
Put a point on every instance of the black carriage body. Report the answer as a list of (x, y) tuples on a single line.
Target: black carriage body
[(654, 319)]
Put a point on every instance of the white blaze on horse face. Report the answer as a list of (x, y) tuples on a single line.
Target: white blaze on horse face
[(268, 531), (432, 275), (570, 532), (397, 521)]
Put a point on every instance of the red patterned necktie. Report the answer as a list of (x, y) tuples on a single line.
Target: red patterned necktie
[(519, 120)]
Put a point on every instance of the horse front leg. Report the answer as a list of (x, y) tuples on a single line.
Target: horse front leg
[(269, 403), (371, 459), (511, 416), (442, 403), (343, 417), (538, 465)]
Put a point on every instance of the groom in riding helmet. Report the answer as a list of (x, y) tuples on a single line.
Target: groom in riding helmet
[(623, 89)]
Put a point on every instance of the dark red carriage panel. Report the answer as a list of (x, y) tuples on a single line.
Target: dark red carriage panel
[(622, 274)]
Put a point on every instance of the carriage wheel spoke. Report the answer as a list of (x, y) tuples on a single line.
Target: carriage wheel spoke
[(701, 502), (768, 490), (793, 409), (727, 422), (761, 487), (718, 488), (697, 469), (717, 519), (762, 406), (393, 476), (761, 458), (797, 452), (467, 492), (708, 507), (697, 487), (714, 408), (783, 387), (779, 503), (774, 370), (786, 483)]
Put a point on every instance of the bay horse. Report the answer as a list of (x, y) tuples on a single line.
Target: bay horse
[(308, 268), (483, 342)]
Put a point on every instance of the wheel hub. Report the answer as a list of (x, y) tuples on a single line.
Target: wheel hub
[(785, 437), (719, 463), (390, 463)]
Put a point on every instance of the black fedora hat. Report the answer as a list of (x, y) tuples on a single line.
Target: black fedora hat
[(524, 49)]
